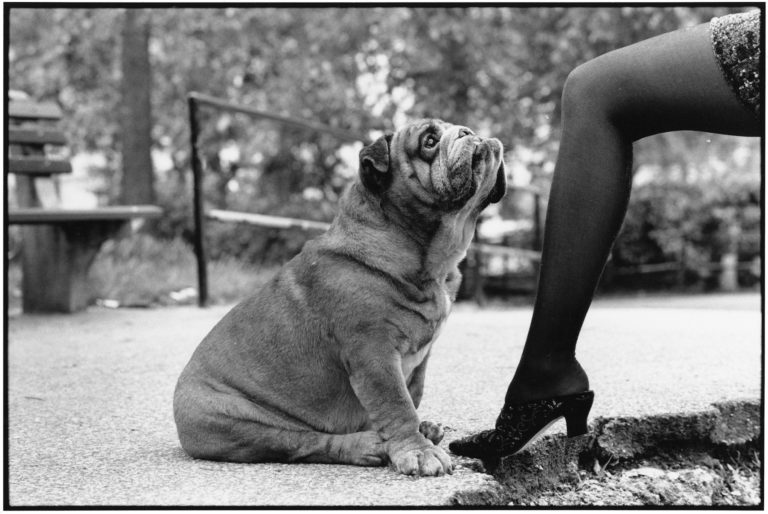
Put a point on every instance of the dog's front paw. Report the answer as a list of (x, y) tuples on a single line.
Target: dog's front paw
[(429, 461), (432, 431)]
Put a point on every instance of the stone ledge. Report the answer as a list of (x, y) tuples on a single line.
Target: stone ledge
[(556, 459)]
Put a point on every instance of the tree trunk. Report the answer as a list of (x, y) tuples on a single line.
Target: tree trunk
[(136, 115)]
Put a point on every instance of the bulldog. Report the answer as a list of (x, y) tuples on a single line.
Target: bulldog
[(327, 362)]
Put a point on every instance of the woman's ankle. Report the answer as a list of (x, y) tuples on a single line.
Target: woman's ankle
[(550, 378)]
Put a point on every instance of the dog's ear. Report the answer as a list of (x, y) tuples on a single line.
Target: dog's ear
[(374, 164), (500, 188)]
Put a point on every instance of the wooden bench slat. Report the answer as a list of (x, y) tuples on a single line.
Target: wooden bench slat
[(40, 216), (37, 166), (33, 110), (39, 136), (62, 243)]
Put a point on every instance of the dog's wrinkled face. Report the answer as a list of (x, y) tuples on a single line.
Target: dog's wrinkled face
[(445, 167)]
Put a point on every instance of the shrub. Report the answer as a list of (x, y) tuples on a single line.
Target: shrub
[(669, 222), (141, 270)]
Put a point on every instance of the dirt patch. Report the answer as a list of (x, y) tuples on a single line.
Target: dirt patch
[(689, 477), (707, 458)]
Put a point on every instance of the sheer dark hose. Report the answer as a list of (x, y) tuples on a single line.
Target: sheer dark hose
[(670, 82)]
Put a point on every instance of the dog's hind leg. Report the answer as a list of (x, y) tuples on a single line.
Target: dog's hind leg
[(251, 441), (219, 426), (358, 448)]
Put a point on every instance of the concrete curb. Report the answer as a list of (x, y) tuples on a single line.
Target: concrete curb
[(556, 459), (732, 422)]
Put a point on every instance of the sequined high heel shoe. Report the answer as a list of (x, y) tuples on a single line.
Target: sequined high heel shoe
[(519, 425)]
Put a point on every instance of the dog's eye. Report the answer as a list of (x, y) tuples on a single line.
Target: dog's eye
[(430, 141)]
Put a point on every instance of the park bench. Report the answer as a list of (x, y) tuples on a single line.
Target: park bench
[(59, 244)]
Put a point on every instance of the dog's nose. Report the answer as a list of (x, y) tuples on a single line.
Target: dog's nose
[(476, 140)]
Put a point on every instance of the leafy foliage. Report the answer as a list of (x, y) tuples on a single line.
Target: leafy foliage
[(497, 69), (142, 270), (689, 223)]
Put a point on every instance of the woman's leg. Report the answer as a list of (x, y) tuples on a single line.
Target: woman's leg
[(670, 82)]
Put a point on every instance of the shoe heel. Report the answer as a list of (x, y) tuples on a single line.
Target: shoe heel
[(576, 413)]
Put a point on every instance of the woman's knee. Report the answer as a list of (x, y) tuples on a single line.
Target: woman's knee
[(595, 90), (577, 88)]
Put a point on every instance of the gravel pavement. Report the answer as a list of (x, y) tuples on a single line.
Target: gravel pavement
[(90, 418)]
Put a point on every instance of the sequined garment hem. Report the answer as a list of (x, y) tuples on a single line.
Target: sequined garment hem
[(736, 43)]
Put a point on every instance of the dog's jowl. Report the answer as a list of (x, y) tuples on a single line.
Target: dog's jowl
[(326, 363)]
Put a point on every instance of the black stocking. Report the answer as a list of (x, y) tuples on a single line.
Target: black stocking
[(670, 82)]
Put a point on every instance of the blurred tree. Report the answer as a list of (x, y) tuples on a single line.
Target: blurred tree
[(502, 69), (291, 62), (70, 56), (136, 111), (499, 70)]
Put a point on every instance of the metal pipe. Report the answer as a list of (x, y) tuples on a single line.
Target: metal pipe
[(537, 229), (195, 100), (228, 106), (197, 202)]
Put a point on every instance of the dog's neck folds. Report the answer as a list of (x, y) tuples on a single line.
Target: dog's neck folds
[(432, 254)]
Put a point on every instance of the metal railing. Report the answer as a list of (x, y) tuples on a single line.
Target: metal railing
[(198, 100), (195, 101)]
